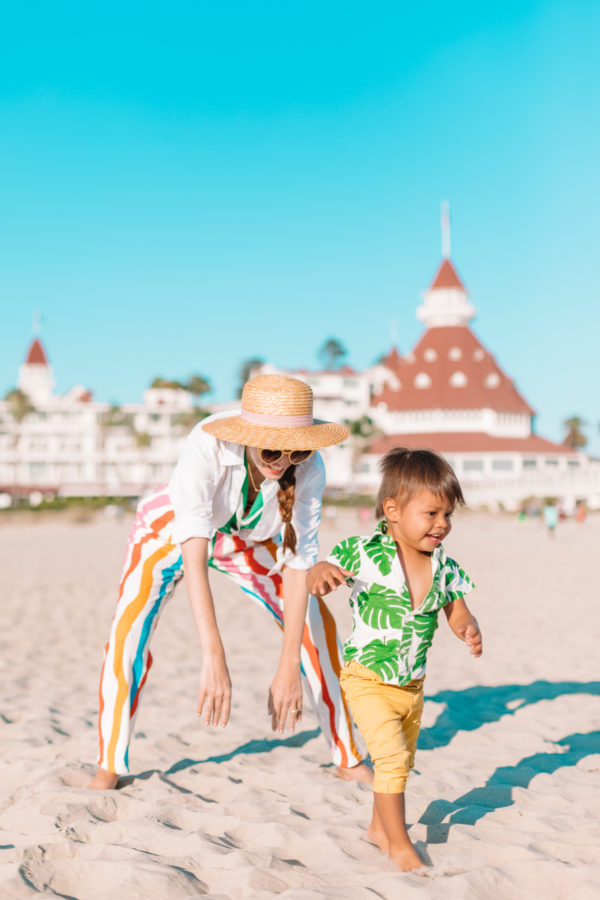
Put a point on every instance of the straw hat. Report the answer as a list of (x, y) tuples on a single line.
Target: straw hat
[(277, 414)]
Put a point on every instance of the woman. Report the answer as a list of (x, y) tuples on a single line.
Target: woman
[(242, 483)]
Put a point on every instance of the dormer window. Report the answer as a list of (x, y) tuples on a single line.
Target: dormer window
[(422, 380)]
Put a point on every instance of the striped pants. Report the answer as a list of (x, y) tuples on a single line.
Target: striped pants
[(152, 568)]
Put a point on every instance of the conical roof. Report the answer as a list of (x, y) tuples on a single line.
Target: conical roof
[(36, 355), (446, 277)]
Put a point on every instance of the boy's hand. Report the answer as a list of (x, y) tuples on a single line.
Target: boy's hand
[(472, 638), (325, 577)]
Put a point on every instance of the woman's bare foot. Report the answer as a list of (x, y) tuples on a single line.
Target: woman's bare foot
[(361, 773), (406, 858), (104, 781), (379, 837)]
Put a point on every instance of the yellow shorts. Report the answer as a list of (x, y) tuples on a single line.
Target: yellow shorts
[(389, 718)]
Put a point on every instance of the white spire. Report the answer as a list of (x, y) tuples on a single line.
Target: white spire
[(445, 216)]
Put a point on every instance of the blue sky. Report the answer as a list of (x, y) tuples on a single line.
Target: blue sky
[(188, 185)]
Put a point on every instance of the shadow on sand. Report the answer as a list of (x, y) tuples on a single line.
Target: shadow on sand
[(265, 745), (497, 791), (468, 710)]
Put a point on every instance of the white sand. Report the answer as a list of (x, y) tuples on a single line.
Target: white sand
[(504, 802)]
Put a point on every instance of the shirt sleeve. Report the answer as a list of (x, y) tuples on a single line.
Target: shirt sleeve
[(347, 555), (192, 487), (456, 582), (306, 515)]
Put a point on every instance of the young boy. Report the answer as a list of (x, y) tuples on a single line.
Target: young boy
[(401, 578)]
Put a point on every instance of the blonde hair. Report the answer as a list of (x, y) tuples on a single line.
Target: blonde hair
[(407, 471)]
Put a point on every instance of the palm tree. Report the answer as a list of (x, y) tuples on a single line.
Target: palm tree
[(197, 385), (332, 353), (574, 438), (19, 404)]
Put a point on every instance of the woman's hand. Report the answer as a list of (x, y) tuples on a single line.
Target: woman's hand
[(285, 697), (325, 577), (214, 695)]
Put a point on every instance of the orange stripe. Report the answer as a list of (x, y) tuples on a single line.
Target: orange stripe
[(101, 709), (123, 628), (331, 638), (155, 527)]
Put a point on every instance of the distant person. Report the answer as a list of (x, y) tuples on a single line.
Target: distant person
[(245, 499), (400, 578), (580, 512), (550, 515), (364, 514)]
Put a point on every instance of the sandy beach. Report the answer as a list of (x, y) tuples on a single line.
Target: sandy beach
[(504, 801)]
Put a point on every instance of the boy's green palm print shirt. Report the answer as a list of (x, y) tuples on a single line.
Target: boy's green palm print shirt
[(388, 636)]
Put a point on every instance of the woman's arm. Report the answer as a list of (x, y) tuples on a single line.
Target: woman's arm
[(285, 694), (214, 695)]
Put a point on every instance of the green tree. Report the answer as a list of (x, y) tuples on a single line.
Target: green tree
[(197, 385), (574, 437), (246, 370), (332, 353), (19, 404)]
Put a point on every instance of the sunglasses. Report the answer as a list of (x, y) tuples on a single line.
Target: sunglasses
[(268, 457)]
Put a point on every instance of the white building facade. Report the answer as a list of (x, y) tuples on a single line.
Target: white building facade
[(70, 445)]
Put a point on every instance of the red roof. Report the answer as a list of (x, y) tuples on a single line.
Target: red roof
[(469, 442), (446, 277), (450, 368), (36, 355)]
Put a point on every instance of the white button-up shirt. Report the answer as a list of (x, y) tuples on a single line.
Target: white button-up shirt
[(206, 490)]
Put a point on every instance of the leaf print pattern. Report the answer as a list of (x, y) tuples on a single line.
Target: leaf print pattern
[(382, 658), (382, 552), (347, 553), (388, 636), (380, 607)]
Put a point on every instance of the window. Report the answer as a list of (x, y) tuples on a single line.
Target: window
[(551, 462), (473, 465), (503, 465), (573, 463), (530, 463), (422, 380), (458, 379)]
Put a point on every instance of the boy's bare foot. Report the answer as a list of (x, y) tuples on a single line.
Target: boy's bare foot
[(361, 773), (104, 781), (379, 837), (406, 858)]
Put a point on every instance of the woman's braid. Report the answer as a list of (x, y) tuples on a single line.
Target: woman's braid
[(285, 496)]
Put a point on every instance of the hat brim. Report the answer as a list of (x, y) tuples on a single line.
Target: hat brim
[(310, 437)]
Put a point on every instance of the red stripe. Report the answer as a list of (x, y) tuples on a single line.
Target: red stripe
[(307, 643)]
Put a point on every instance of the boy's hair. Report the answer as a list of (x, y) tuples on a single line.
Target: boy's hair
[(406, 471)]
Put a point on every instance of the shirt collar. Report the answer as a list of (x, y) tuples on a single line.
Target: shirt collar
[(230, 454)]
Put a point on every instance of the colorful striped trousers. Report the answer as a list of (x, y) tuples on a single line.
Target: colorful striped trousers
[(152, 568)]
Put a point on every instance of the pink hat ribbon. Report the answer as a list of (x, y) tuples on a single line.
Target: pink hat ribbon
[(275, 421)]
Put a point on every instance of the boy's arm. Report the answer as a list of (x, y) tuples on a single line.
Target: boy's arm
[(325, 577), (464, 625)]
